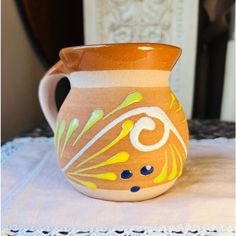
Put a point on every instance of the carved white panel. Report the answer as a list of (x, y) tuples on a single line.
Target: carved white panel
[(163, 21)]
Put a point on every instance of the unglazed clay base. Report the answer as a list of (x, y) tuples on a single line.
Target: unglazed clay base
[(125, 195)]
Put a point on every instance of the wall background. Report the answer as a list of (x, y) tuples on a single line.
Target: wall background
[(21, 73)]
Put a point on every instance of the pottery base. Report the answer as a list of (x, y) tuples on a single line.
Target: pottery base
[(125, 195)]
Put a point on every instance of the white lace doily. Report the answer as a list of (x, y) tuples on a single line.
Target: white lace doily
[(133, 231), (10, 149)]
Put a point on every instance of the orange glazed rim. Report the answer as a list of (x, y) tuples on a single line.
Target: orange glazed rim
[(120, 56)]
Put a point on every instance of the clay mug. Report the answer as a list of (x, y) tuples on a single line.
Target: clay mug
[(121, 133)]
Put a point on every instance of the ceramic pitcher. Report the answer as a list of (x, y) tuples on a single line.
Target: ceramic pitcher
[(121, 133)]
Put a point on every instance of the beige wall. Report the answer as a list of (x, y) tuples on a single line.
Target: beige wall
[(21, 72)]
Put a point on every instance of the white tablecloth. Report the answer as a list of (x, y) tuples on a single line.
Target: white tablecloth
[(35, 193)]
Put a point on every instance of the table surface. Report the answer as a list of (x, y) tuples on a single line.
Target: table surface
[(199, 129)]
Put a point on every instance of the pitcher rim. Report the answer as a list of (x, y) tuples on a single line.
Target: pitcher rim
[(120, 56), (138, 44)]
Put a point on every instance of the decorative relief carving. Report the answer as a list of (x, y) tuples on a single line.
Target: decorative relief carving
[(135, 20)]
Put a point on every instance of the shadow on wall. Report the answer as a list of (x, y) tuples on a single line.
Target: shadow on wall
[(21, 72)]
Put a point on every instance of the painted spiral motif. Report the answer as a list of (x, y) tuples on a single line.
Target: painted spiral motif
[(128, 128)]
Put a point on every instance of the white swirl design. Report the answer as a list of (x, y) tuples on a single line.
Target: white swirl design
[(147, 124), (143, 123)]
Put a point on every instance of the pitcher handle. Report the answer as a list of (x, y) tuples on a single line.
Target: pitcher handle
[(46, 92)]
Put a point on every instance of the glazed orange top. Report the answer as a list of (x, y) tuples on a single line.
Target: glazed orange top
[(123, 56)]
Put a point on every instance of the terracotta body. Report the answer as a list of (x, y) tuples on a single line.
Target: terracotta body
[(121, 133)]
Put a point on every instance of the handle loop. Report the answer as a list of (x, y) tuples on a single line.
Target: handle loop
[(46, 92)]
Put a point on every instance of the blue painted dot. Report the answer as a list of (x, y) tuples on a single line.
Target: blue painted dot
[(126, 174), (146, 170), (135, 189)]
